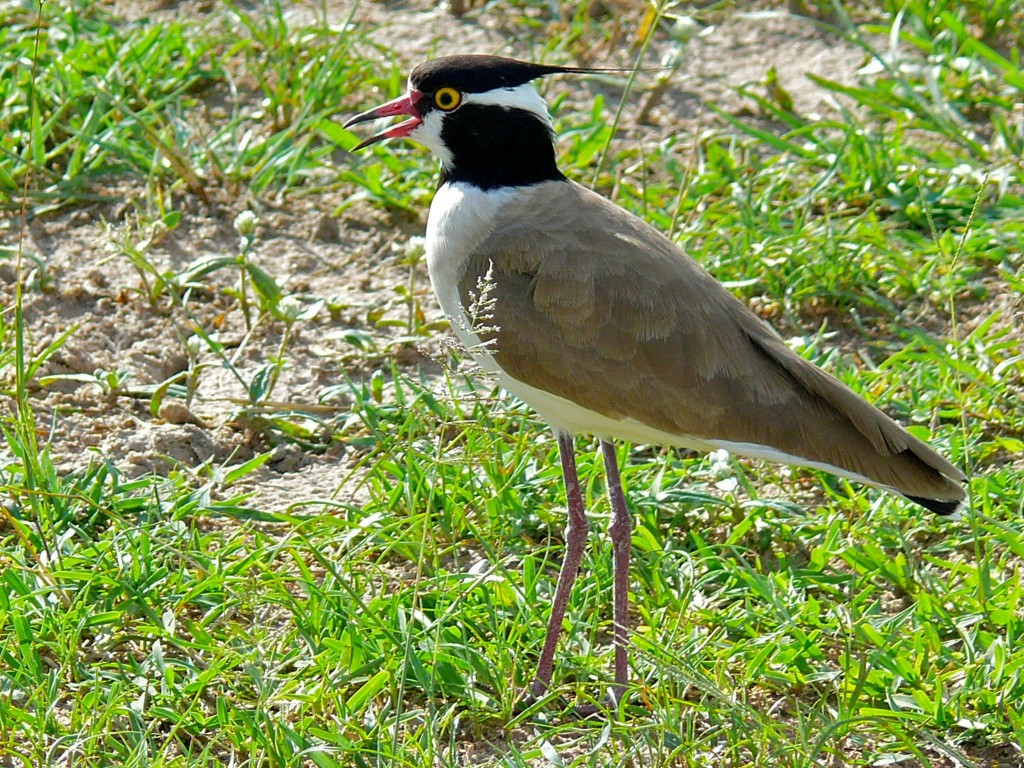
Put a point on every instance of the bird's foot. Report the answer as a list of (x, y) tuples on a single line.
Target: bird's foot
[(595, 710), (530, 695), (535, 691)]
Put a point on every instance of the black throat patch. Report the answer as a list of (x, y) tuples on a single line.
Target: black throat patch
[(494, 146)]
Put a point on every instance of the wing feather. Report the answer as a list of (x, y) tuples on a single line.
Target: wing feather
[(628, 326)]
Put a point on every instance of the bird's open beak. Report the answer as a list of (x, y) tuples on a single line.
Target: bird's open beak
[(403, 105)]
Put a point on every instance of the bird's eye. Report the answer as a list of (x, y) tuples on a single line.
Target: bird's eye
[(447, 98)]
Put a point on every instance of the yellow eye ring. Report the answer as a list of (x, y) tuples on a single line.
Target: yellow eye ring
[(447, 98)]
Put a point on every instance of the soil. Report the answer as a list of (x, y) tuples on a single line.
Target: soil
[(85, 288)]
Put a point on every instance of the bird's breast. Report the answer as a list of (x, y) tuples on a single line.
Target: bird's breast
[(461, 217)]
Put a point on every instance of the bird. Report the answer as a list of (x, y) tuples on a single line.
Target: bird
[(606, 328)]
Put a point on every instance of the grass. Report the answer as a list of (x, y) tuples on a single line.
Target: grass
[(783, 617)]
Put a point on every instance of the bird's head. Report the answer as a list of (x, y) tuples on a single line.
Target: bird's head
[(480, 115)]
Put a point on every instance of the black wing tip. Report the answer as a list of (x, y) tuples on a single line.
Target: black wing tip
[(943, 507)]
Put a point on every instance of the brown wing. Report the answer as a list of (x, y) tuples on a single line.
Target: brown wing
[(594, 305)]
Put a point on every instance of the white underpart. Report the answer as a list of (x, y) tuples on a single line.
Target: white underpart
[(565, 416), (461, 217)]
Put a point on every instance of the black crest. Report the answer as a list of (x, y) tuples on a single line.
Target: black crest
[(477, 73)]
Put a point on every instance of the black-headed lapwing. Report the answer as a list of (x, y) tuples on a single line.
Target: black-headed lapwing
[(606, 327)]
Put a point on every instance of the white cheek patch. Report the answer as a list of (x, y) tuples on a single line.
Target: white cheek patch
[(429, 135), (523, 96)]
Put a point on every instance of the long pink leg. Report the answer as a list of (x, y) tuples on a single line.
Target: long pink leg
[(621, 532), (575, 542)]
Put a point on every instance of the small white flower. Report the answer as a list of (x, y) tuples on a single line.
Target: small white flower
[(728, 484), (720, 462), (415, 247), (290, 308), (195, 345), (245, 223)]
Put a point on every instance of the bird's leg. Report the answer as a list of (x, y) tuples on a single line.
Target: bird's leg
[(621, 532), (575, 540)]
